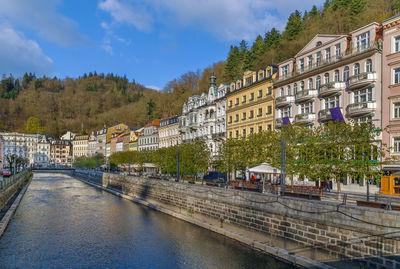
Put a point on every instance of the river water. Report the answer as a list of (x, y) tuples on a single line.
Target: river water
[(64, 223)]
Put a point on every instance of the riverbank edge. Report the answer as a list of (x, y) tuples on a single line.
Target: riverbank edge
[(254, 244), (10, 212)]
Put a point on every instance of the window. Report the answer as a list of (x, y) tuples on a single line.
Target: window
[(251, 114), (230, 103), (306, 108), (368, 66), (237, 101), (337, 76), (269, 110), (237, 133), (326, 78), (337, 50), (318, 58), (363, 119), (282, 92), (230, 119), (286, 112), (332, 102), (259, 112), (396, 76), (318, 82), (251, 130), (244, 116), (310, 61), (237, 118), (261, 76), (244, 132), (310, 83), (302, 65), (259, 129), (363, 95), (269, 91), (295, 88), (396, 110), (396, 144), (269, 127), (244, 99), (288, 91), (230, 134), (328, 54), (259, 93), (302, 86), (346, 74), (251, 96), (249, 80), (363, 41), (397, 44), (357, 69), (285, 70)]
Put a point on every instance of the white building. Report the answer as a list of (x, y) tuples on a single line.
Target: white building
[(21, 145), (101, 136), (92, 144), (42, 155), (148, 138), (169, 132), (204, 117)]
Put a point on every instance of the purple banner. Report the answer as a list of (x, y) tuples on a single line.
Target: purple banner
[(336, 114), (285, 120)]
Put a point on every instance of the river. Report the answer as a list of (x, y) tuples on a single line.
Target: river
[(64, 223)]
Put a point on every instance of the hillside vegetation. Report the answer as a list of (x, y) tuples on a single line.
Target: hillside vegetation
[(89, 102)]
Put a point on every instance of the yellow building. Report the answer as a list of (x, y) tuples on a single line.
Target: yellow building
[(250, 103)]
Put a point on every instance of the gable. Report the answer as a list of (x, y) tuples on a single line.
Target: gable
[(318, 38)]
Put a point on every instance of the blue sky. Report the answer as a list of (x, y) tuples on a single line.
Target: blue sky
[(151, 41)]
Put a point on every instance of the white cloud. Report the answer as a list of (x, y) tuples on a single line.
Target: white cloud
[(42, 17), (125, 12), (108, 49), (226, 19), (154, 87), (19, 54)]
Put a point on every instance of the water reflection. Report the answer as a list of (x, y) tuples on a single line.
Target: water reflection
[(62, 222)]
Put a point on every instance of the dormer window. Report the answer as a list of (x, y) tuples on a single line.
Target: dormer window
[(249, 80), (319, 43)]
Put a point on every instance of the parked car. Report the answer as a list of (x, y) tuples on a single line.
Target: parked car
[(216, 177), (6, 173)]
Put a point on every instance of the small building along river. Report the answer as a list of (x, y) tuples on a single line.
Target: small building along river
[(62, 222)]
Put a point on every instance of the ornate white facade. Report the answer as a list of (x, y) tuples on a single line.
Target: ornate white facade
[(169, 132), (22, 145), (204, 117)]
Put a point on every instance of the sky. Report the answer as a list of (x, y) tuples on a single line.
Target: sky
[(149, 41)]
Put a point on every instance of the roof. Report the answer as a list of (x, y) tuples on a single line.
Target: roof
[(155, 122), (264, 168)]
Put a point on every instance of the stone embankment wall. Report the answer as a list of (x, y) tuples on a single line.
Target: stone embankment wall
[(7, 193)]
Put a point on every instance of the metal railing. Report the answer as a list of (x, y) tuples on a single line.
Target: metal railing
[(8, 181)]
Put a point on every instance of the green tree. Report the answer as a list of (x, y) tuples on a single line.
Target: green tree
[(33, 125), (293, 26)]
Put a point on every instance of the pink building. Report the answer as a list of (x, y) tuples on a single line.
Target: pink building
[(332, 71), (391, 88)]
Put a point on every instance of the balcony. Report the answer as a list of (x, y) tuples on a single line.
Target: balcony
[(305, 95), (279, 122), (284, 100), (324, 115), (193, 125), (305, 118), (331, 88), (219, 136), (358, 109), (361, 80)]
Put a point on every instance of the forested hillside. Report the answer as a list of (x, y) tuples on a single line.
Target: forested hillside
[(87, 103)]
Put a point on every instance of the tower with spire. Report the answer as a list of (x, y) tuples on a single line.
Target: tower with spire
[(213, 86)]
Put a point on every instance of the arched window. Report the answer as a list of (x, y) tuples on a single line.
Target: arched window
[(356, 69), (295, 88), (346, 73), (310, 83), (368, 65), (326, 78), (337, 76), (282, 92), (302, 86), (289, 92), (318, 82)]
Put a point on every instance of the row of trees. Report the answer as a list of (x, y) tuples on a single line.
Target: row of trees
[(89, 162), (331, 151)]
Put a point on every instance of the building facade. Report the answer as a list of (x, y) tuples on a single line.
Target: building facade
[(250, 103), (148, 138), (92, 144), (391, 88), (332, 71), (101, 136), (80, 146), (1, 153), (169, 132), (134, 139), (21, 145), (112, 132), (204, 117), (61, 152), (43, 155)]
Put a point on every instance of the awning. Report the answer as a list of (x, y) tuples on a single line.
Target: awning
[(264, 168)]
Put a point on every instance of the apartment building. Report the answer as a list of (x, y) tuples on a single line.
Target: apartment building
[(61, 152), (21, 145), (148, 138), (250, 103), (332, 71), (80, 146), (169, 132), (43, 153), (391, 90)]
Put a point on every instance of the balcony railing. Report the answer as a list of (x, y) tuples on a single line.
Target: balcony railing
[(279, 122), (305, 118), (361, 80), (357, 109), (331, 88), (284, 100), (306, 95), (325, 115), (344, 55)]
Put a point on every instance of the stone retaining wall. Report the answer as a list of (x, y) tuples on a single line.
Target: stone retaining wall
[(345, 231), (6, 194)]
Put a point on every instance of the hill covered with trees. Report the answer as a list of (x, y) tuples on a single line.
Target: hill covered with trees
[(87, 103)]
